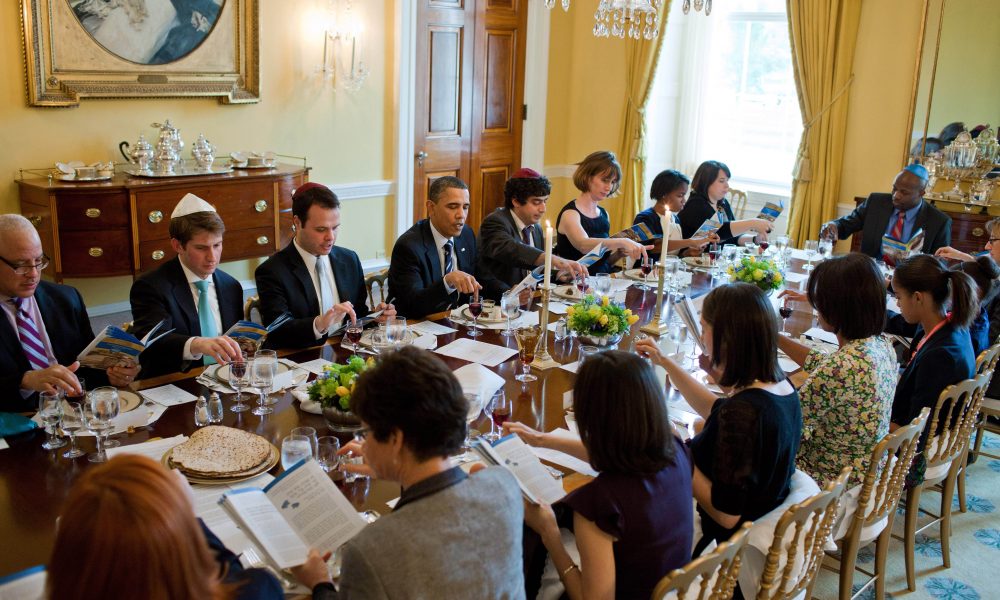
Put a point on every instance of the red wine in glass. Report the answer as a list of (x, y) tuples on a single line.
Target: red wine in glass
[(239, 369), (646, 267), (713, 254), (763, 246), (475, 309), (785, 311), (581, 284), (501, 416), (353, 335)]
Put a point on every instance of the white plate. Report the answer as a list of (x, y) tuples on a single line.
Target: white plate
[(569, 292), (700, 262), (483, 318)]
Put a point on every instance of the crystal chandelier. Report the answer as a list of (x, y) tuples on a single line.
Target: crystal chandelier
[(633, 18), (686, 6)]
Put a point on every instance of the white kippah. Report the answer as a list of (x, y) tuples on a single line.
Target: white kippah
[(191, 204)]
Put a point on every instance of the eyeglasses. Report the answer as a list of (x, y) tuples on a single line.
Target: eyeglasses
[(994, 240), (22, 269), (362, 434)]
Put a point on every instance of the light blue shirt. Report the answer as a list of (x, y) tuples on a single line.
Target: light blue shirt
[(908, 221)]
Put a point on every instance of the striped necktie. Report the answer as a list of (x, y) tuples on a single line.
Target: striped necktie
[(896, 233), (449, 264), (31, 339), (206, 320), (526, 235)]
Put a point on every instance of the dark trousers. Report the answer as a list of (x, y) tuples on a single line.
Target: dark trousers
[(535, 552)]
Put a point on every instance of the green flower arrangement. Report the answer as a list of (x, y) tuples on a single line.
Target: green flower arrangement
[(761, 272), (334, 387), (599, 317)]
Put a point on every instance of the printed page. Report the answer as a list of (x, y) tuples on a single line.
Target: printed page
[(208, 509), (431, 328), (251, 509), (490, 355), (154, 449), (536, 483), (310, 502), (28, 584), (168, 395)]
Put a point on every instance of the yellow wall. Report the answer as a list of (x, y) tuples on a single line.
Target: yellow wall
[(347, 137)]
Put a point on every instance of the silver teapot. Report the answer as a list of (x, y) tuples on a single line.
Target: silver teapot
[(140, 154), (167, 155), (203, 153)]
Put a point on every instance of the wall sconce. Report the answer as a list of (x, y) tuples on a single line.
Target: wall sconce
[(343, 47)]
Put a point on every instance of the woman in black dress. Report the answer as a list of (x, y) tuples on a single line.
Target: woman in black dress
[(708, 198)]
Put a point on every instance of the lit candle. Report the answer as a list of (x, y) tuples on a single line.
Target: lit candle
[(665, 222), (548, 253)]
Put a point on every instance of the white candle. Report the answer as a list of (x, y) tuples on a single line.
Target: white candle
[(548, 253), (668, 219)]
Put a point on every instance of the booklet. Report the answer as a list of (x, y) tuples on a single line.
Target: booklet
[(596, 254), (28, 584), (642, 234), (250, 336), (771, 211), (710, 226), (898, 250), (114, 345), (689, 314), (510, 452), (301, 509)]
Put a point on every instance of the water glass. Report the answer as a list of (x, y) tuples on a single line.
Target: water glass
[(586, 352), (50, 409), (326, 452), (72, 421), (825, 248), (811, 248), (239, 378), (262, 370), (678, 335), (602, 283), (780, 243), (294, 449), (395, 330), (310, 434), (97, 415), (110, 396), (509, 305), (475, 403)]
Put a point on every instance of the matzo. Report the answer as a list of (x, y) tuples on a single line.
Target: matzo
[(221, 450)]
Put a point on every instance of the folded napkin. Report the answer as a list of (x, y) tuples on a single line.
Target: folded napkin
[(477, 379), (14, 423), (305, 404)]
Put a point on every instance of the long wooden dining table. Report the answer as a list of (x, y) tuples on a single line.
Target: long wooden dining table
[(34, 482)]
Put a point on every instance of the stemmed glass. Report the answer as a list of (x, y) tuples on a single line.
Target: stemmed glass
[(50, 409), (262, 377), (395, 331), (730, 254), (327, 448), (602, 283), (811, 248), (353, 335), (97, 414), (670, 275), (500, 409), (713, 257), (110, 395), (581, 284), (780, 243), (475, 309), (509, 304), (678, 334), (475, 409), (239, 379), (646, 267), (785, 310), (825, 248), (72, 421), (527, 340)]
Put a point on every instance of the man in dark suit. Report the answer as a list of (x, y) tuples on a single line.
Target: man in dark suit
[(44, 325), (434, 262), (903, 212), (196, 299), (510, 239), (319, 283)]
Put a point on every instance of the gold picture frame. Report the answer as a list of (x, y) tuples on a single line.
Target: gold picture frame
[(65, 62)]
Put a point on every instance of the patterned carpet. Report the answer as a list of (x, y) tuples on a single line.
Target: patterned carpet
[(975, 546)]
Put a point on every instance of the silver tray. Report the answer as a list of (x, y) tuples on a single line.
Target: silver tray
[(135, 172), (253, 168), (74, 179)]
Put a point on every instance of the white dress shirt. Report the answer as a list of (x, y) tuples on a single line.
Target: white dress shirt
[(520, 230), (440, 241), (31, 307), (310, 262), (213, 302)]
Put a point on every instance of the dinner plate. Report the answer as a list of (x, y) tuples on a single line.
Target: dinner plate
[(484, 319), (569, 292), (128, 401), (701, 262), (636, 275), (222, 373), (272, 459)]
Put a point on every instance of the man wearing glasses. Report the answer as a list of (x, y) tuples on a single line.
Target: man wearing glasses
[(45, 325)]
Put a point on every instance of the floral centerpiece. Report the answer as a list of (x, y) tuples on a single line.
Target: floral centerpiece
[(597, 320), (333, 392), (761, 272)]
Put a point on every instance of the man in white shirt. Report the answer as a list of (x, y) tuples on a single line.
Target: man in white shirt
[(321, 284), (195, 298)]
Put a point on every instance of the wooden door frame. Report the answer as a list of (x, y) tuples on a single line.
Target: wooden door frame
[(404, 99)]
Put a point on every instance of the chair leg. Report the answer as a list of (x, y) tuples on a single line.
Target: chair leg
[(909, 534), (881, 553), (848, 558), (961, 484), (948, 492)]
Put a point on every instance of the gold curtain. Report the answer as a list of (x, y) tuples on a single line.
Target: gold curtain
[(641, 59), (823, 34)]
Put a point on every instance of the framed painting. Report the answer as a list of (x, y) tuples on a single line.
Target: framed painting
[(77, 49)]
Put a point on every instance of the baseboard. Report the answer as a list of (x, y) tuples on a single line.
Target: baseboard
[(102, 310)]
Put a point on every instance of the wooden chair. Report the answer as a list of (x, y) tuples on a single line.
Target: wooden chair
[(738, 202), (252, 304), (875, 508), (990, 407), (945, 452), (381, 278), (797, 550), (710, 577)]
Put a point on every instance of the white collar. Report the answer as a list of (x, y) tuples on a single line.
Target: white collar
[(518, 222), (307, 257), (191, 276), (439, 240)]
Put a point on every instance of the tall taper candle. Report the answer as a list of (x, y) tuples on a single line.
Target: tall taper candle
[(548, 253)]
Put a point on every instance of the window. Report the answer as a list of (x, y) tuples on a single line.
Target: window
[(725, 90)]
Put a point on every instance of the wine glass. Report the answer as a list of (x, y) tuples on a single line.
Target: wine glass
[(824, 248), (110, 395), (645, 267), (811, 248), (586, 352), (395, 331), (670, 275), (310, 434), (713, 256), (678, 334), (527, 340), (730, 254), (262, 377), (294, 448), (500, 410), (475, 409), (475, 309), (72, 421), (780, 243), (785, 310), (602, 283), (50, 409), (509, 304), (97, 417), (239, 379), (326, 454), (353, 334), (581, 284)]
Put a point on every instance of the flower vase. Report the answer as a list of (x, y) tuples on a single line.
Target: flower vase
[(341, 421)]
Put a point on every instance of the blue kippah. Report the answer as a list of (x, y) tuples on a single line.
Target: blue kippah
[(918, 170)]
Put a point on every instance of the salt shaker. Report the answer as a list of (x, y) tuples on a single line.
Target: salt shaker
[(215, 408), (560, 332), (201, 417)]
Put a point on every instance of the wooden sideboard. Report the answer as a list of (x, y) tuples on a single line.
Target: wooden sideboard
[(968, 229), (119, 227)]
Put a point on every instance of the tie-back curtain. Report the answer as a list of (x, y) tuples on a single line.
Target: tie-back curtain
[(641, 58), (823, 36)]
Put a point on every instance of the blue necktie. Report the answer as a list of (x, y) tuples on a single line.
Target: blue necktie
[(205, 318), (449, 264), (325, 293)]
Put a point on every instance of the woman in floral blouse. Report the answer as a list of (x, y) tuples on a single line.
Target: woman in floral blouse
[(848, 394)]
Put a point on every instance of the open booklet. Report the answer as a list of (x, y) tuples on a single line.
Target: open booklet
[(250, 335), (771, 211), (28, 584), (898, 250), (510, 452), (710, 226), (114, 346), (689, 314), (641, 233), (301, 509)]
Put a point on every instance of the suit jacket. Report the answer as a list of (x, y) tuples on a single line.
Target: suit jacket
[(944, 360), (502, 254), (166, 294), (68, 328), (284, 284), (415, 276), (871, 217), (697, 209)]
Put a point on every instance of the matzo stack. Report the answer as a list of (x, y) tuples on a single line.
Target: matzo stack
[(221, 450)]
